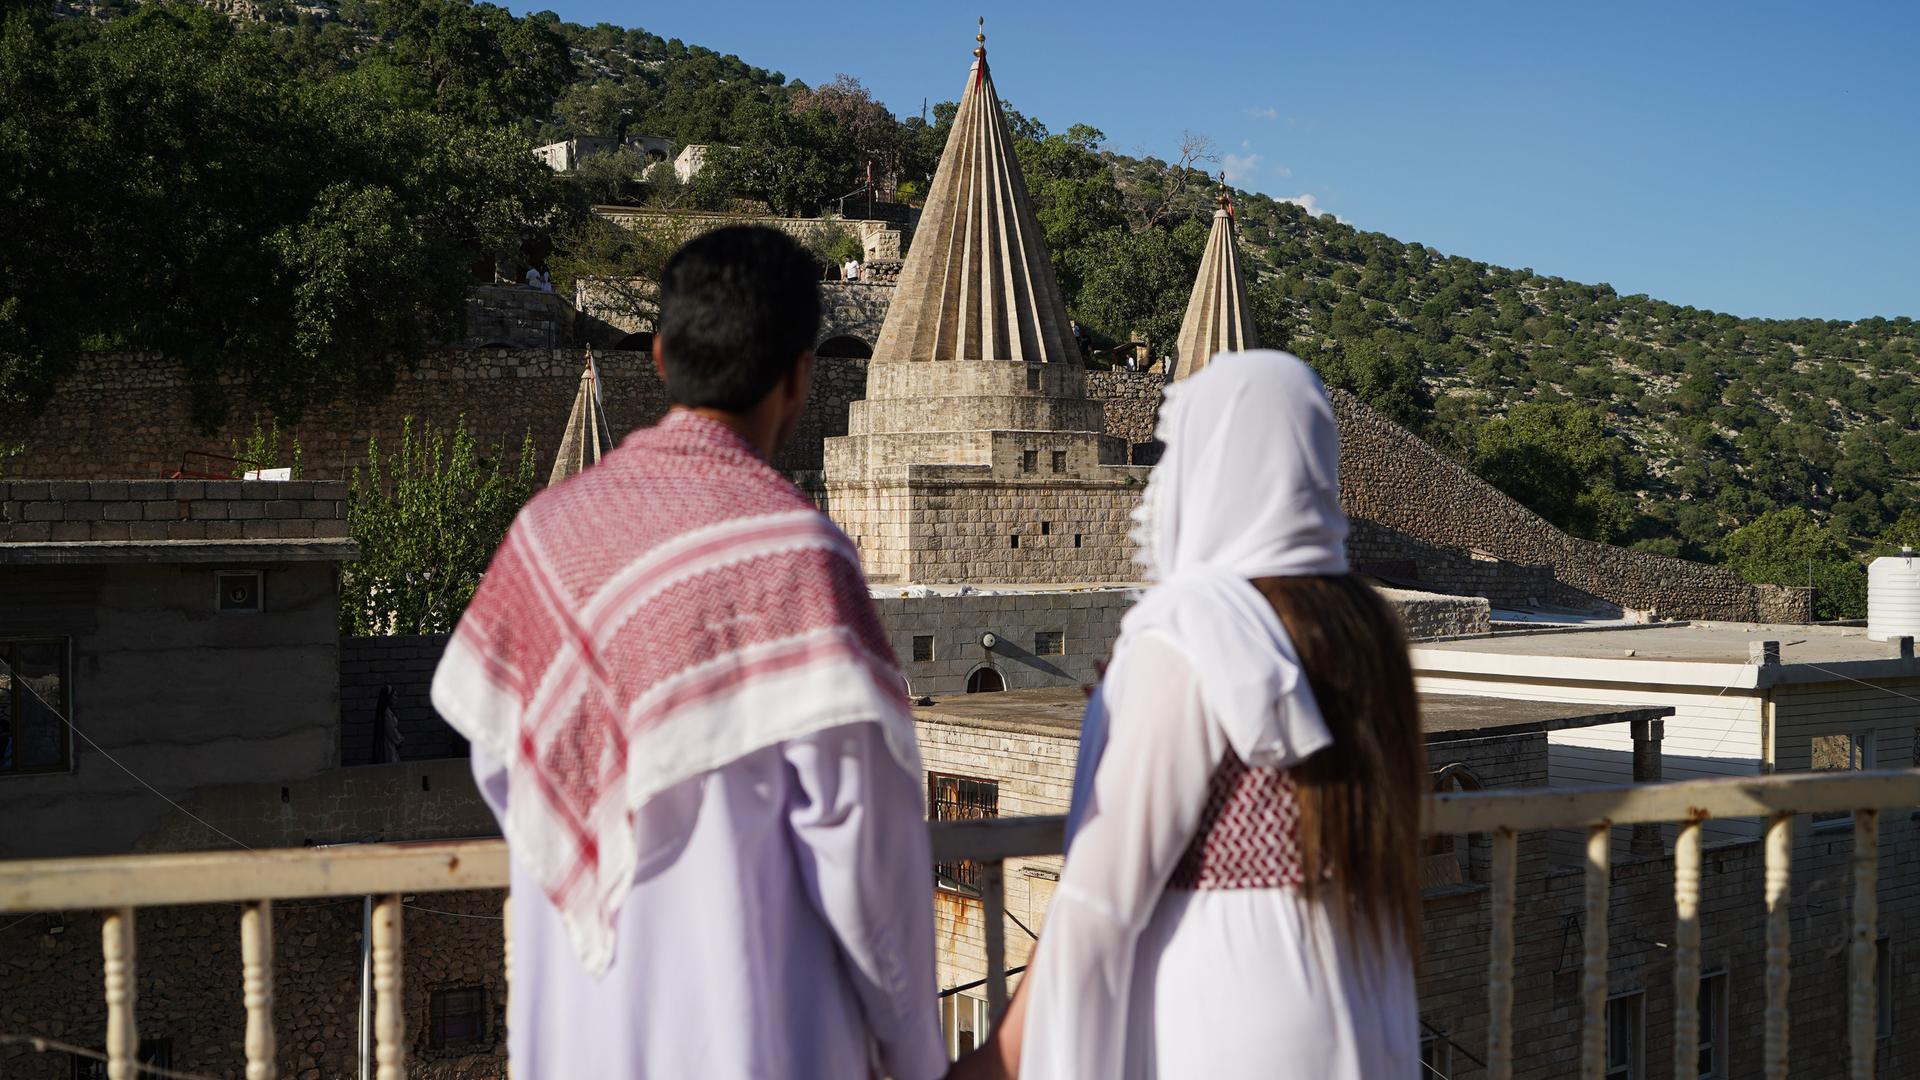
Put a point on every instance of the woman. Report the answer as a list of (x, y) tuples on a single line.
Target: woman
[(1241, 896)]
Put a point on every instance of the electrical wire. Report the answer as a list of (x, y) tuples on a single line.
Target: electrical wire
[(21, 680)]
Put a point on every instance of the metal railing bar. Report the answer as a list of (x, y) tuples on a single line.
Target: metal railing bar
[(1866, 914)]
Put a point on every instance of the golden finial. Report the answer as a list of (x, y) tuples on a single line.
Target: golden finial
[(1221, 198), (980, 48)]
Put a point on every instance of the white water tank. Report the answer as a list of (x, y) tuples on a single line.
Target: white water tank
[(1893, 596)]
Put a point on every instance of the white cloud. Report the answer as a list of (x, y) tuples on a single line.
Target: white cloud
[(1282, 171), (1311, 205), (1240, 168), (1265, 112)]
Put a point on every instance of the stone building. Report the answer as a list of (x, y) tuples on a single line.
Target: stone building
[(976, 454), (1217, 318), (182, 631)]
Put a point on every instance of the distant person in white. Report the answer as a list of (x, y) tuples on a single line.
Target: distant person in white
[(851, 271), (538, 280), (1241, 892)]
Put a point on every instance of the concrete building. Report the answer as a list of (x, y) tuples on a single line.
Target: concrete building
[(1747, 699), (182, 631), (567, 154)]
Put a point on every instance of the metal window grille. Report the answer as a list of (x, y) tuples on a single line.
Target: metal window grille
[(457, 1017), (36, 694), (1050, 643), (1849, 752), (922, 648), (1059, 461), (1029, 461), (960, 798)]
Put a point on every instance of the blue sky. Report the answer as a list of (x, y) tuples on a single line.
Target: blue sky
[(1759, 158)]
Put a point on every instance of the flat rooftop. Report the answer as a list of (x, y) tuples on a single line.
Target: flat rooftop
[(1686, 653), (1698, 642), (1055, 712)]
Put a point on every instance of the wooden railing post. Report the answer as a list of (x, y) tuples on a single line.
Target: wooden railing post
[(1866, 916), (389, 1024), (506, 949), (256, 988), (1500, 957), (1779, 845), (1686, 949), (117, 951), (1593, 1030), (993, 897)]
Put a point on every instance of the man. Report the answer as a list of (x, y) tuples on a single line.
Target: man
[(687, 718)]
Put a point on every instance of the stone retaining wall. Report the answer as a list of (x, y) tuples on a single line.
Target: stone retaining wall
[(131, 416)]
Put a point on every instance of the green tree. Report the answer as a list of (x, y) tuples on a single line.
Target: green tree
[(427, 520), (1789, 547), (1560, 461)]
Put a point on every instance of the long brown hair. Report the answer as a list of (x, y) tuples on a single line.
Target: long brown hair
[(1360, 797)]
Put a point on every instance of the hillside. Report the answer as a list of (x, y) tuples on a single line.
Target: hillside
[(1782, 446)]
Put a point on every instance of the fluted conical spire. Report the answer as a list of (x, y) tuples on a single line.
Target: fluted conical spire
[(587, 437), (1217, 319), (976, 284)]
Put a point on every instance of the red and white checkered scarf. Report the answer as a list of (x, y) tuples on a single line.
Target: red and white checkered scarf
[(666, 612)]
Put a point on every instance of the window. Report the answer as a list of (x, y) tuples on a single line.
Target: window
[(36, 694), (922, 648), (457, 1017), (1713, 1026), (1033, 377), (1436, 1056), (1851, 752), (1625, 1042), (1046, 528), (964, 1019), (1050, 643), (157, 1053), (1076, 539), (960, 798), (1059, 461), (1029, 461), (1883, 989), (1013, 540)]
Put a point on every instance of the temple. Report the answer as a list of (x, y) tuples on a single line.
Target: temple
[(1217, 318), (977, 455)]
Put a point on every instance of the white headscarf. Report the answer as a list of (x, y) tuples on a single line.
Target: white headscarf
[(1248, 487)]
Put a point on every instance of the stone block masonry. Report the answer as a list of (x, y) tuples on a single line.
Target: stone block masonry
[(122, 416), (39, 511)]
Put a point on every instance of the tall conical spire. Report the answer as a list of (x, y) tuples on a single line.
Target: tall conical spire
[(1217, 319), (976, 285), (587, 437)]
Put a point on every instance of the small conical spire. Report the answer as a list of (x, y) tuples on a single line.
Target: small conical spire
[(976, 284), (1217, 318), (587, 437)]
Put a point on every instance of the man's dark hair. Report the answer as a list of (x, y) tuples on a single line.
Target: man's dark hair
[(738, 306)]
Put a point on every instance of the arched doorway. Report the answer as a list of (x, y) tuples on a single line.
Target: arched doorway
[(985, 680), (845, 346)]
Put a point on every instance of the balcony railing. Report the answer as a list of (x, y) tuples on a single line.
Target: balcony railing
[(119, 885)]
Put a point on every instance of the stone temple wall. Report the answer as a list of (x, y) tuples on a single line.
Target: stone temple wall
[(991, 531), (1389, 477), (127, 417)]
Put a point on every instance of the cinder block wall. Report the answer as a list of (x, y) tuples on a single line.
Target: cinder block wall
[(40, 511)]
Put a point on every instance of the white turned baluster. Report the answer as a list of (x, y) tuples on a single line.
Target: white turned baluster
[(1686, 949), (993, 914), (256, 987), (1500, 958), (117, 952), (506, 942), (389, 1025), (1866, 913), (1593, 1031), (1779, 943)]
